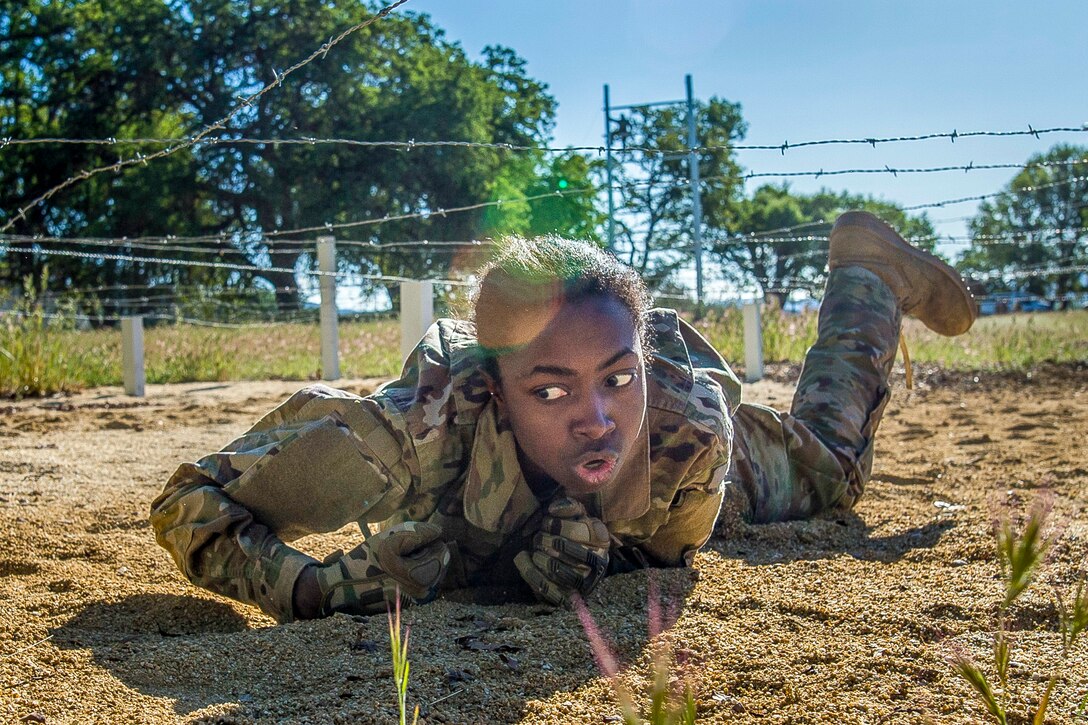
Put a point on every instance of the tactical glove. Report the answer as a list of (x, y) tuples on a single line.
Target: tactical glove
[(569, 554), (409, 555)]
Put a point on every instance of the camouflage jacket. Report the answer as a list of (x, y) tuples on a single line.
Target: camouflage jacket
[(430, 446)]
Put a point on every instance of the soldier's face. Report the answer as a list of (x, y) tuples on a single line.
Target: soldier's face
[(576, 396)]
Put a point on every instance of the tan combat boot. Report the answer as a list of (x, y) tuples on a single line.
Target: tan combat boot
[(926, 287)]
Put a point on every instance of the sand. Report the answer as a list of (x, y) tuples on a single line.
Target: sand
[(847, 618)]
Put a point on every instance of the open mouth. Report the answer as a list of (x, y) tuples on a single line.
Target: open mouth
[(596, 468)]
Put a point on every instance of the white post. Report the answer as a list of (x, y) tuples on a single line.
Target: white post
[(330, 335), (416, 313), (132, 355), (753, 343), (696, 199)]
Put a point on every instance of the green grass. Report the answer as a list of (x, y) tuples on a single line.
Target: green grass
[(73, 359), (1022, 545), (1005, 342), (40, 355), (786, 337)]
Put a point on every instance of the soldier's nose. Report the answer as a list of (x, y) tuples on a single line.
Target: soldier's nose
[(594, 420)]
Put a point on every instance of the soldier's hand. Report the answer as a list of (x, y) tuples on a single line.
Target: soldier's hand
[(569, 554), (411, 556)]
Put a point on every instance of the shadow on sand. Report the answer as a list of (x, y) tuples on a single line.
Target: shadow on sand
[(822, 537), (202, 653)]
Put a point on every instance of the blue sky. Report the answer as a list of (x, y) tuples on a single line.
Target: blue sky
[(814, 69)]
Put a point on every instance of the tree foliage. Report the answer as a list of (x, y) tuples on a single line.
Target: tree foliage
[(779, 240), (147, 68), (1038, 222), (654, 202)]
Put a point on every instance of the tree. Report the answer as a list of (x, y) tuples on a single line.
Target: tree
[(779, 240), (555, 196), (75, 70), (89, 68), (654, 209), (1039, 222)]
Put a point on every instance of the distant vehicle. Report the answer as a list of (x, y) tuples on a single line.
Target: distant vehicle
[(1014, 302)]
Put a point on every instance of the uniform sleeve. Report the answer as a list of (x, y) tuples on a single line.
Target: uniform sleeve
[(693, 395), (691, 516), (322, 459)]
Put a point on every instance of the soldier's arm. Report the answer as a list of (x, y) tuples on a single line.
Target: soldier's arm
[(319, 461), (217, 544), (691, 516)]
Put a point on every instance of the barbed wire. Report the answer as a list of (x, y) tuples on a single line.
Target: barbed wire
[(984, 197), (440, 212), (410, 144), (423, 246), (924, 170), (208, 130), (938, 204), (158, 317), (1029, 273), (238, 235), (1028, 237), (309, 316), (225, 265), (1029, 297), (350, 279), (790, 285)]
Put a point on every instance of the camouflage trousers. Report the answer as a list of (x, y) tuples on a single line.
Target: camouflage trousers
[(820, 455)]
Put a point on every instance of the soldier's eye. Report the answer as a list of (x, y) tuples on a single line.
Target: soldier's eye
[(618, 380), (552, 392)]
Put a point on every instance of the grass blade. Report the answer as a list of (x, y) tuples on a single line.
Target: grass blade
[(1044, 701), (966, 667), (398, 645), (1021, 552), (1001, 658), (1074, 616)]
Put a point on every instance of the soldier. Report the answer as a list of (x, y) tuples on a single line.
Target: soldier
[(568, 433)]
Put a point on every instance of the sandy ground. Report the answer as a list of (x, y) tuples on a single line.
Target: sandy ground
[(846, 618)]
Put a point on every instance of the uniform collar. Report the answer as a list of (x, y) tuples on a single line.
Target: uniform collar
[(498, 498)]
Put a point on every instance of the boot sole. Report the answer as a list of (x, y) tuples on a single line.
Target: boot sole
[(886, 234)]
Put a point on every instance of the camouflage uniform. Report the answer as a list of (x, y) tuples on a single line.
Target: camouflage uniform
[(431, 446)]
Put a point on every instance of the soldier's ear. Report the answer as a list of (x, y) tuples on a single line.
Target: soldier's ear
[(493, 386)]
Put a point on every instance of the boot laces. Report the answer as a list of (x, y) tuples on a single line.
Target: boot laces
[(906, 361)]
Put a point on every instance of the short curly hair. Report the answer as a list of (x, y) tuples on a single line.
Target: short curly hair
[(528, 279)]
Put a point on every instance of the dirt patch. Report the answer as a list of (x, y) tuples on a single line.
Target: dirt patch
[(847, 617)]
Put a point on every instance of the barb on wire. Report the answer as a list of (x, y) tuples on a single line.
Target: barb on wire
[(207, 130)]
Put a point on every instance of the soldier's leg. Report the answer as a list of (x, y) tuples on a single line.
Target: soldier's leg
[(820, 454)]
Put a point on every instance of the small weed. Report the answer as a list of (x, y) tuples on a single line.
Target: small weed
[(667, 706), (1021, 551), (398, 644)]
